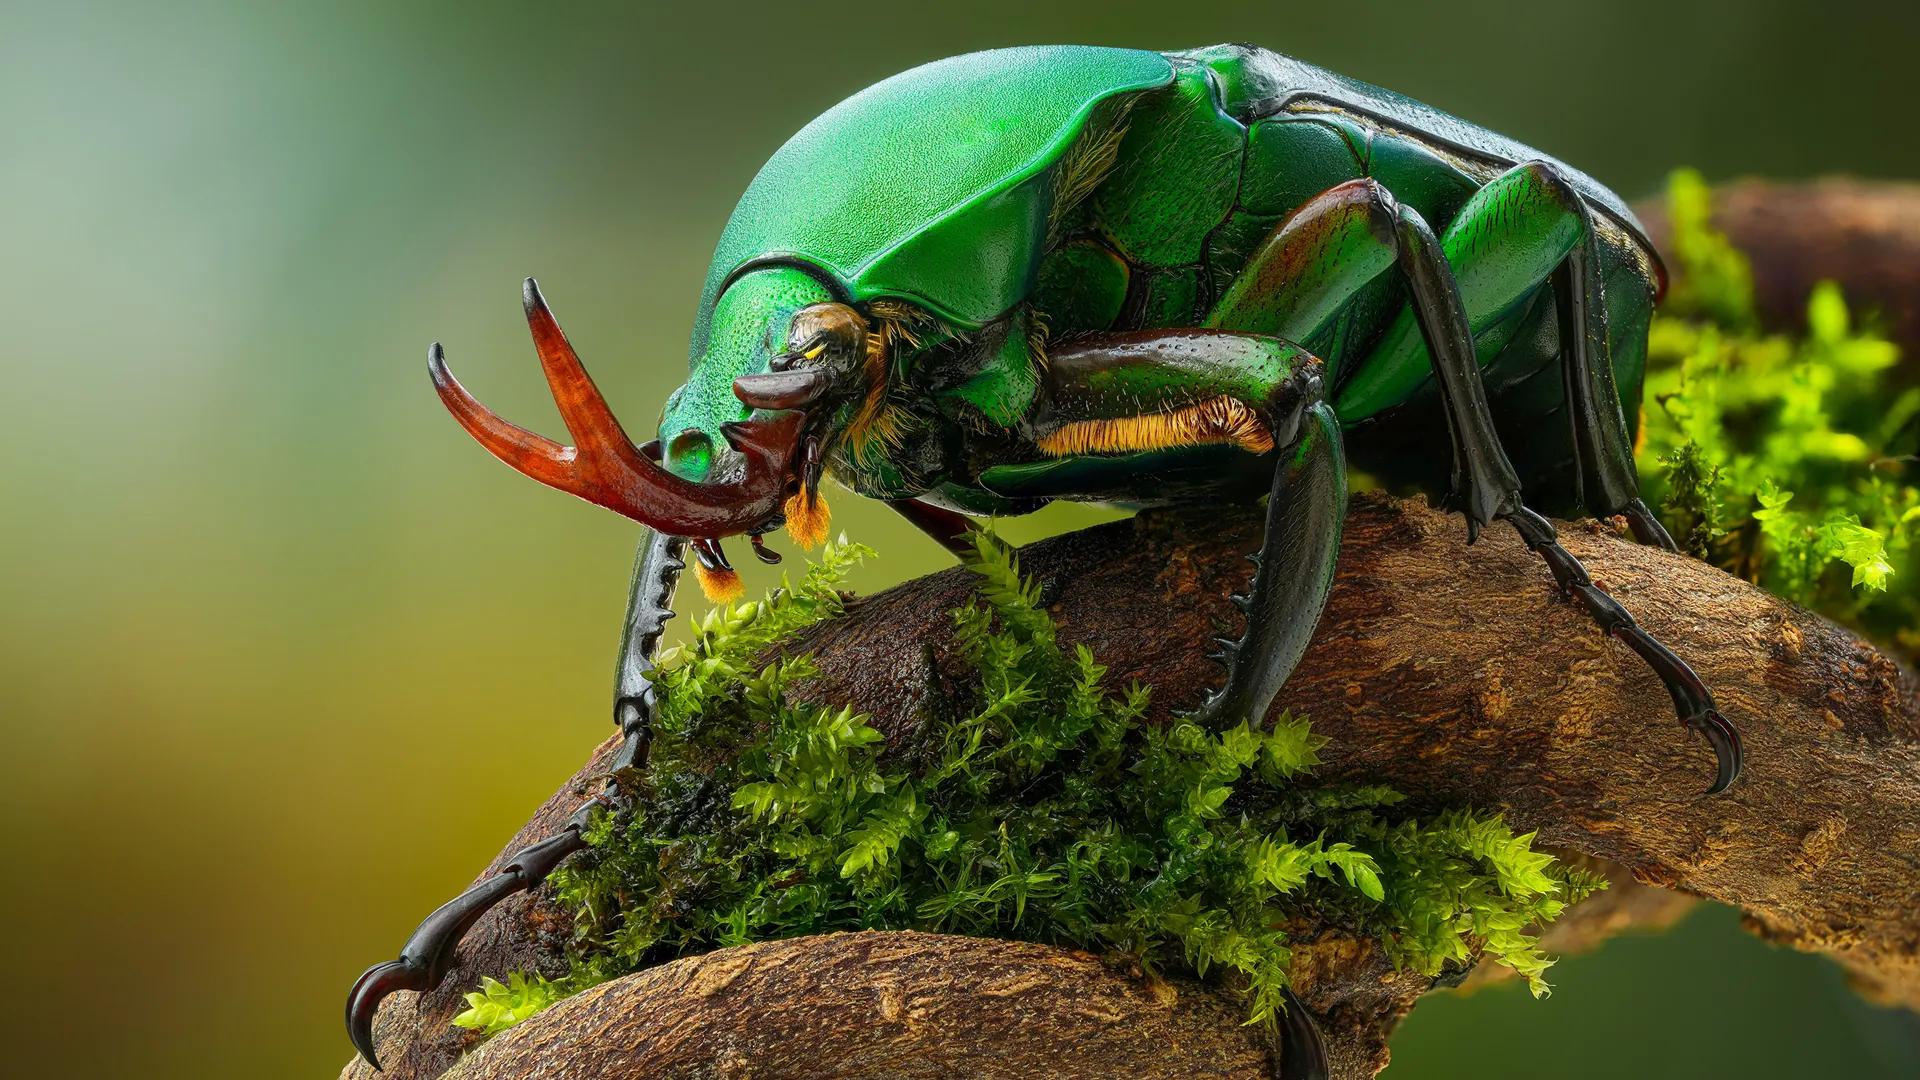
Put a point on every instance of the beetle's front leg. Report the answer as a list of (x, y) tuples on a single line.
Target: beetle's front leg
[(1114, 400), (429, 953)]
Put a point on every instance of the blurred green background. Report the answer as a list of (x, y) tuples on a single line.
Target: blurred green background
[(284, 657)]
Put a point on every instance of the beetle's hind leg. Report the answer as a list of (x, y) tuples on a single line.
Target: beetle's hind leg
[(1493, 488), (1609, 482), (428, 954), (1527, 227)]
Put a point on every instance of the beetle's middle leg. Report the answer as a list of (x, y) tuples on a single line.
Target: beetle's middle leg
[(1493, 488)]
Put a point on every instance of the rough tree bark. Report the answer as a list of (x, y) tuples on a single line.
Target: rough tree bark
[(1453, 673)]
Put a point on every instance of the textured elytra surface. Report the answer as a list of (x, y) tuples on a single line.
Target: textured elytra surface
[(971, 136)]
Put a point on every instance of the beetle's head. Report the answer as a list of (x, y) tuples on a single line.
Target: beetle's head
[(776, 340), (830, 338), (781, 373), (741, 444)]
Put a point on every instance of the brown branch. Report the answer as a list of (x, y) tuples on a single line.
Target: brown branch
[(1864, 234), (885, 1006), (1452, 673)]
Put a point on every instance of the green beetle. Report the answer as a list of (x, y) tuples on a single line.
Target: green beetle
[(1135, 278)]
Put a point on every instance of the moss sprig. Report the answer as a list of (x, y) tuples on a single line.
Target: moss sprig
[(1784, 458), (1039, 804)]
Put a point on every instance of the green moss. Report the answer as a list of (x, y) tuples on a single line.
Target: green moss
[(1716, 283), (497, 1006), (1036, 804), (1784, 459)]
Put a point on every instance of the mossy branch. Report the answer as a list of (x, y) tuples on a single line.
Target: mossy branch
[(1473, 688), (1459, 688)]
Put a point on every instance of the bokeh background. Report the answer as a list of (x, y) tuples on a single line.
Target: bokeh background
[(284, 657)]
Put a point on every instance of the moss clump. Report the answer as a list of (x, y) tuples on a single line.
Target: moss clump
[(497, 1005), (1785, 460), (1037, 804)]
